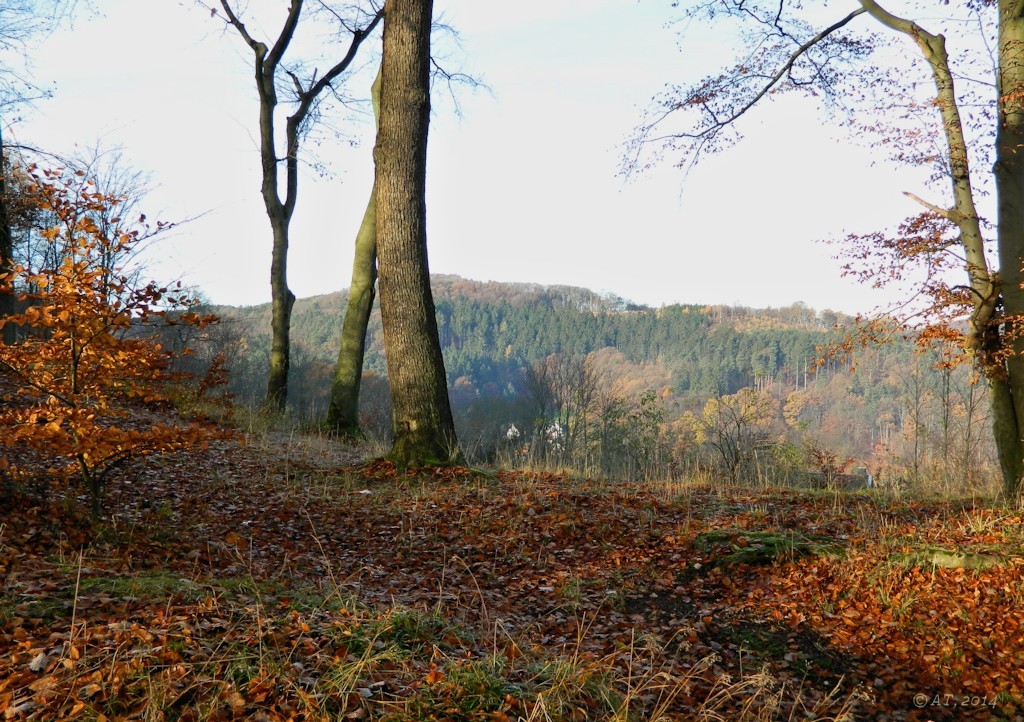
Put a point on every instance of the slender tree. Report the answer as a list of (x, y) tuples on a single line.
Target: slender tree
[(343, 408), (20, 20), (423, 426), (984, 311), (269, 68), (735, 427), (85, 358), (7, 298)]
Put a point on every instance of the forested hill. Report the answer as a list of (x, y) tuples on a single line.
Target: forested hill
[(896, 411), (490, 330)]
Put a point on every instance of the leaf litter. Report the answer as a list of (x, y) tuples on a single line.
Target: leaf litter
[(287, 579)]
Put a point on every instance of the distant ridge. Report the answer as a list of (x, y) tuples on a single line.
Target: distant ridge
[(445, 285)]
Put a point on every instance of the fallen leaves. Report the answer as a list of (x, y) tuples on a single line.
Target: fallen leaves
[(259, 582)]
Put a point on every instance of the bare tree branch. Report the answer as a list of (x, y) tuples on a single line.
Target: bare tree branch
[(944, 212), (772, 81)]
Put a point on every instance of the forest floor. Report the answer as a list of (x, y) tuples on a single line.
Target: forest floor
[(289, 579)]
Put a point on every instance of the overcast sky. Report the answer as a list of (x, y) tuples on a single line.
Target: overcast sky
[(522, 186)]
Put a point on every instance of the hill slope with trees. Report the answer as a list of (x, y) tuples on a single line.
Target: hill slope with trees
[(893, 414)]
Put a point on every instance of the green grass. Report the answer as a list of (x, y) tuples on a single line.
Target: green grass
[(148, 585), (739, 546)]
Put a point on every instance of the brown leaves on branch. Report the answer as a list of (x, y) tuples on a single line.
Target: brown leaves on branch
[(921, 249), (919, 258), (83, 356)]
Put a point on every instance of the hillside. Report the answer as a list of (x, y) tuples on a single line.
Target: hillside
[(894, 416), (489, 328), (490, 331)]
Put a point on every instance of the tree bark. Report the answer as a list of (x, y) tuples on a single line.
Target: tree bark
[(282, 300), (343, 409), (423, 426), (1008, 391)]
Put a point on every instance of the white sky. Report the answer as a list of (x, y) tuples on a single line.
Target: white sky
[(522, 187)]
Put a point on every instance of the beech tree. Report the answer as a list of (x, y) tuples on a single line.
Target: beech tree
[(735, 426), (975, 123), (343, 408), (422, 417), (84, 364), (270, 71)]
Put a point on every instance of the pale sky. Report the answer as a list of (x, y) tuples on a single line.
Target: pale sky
[(524, 186)]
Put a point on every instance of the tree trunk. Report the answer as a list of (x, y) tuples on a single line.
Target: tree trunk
[(267, 60), (1006, 378), (7, 302), (423, 426), (343, 410), (280, 214), (282, 300), (1008, 393)]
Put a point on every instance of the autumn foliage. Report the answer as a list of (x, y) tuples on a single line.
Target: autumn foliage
[(284, 581), (735, 426), (84, 360)]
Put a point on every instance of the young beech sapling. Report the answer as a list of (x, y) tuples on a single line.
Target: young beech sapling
[(82, 359)]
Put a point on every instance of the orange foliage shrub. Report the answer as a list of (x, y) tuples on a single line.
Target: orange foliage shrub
[(83, 359)]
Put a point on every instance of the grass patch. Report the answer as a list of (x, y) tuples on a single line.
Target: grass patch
[(738, 546), (149, 585), (936, 558)]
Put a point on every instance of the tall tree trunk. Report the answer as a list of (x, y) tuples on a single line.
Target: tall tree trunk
[(6, 248), (424, 430), (343, 409), (279, 211), (1008, 391)]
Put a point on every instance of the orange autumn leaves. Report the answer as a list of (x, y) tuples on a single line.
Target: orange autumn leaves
[(84, 347)]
